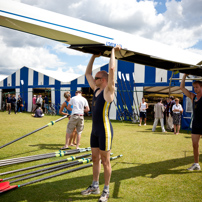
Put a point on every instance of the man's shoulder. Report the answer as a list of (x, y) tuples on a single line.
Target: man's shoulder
[(83, 98)]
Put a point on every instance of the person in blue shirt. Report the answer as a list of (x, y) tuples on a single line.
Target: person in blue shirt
[(64, 111)]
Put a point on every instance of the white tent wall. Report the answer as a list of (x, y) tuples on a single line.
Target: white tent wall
[(139, 71), (40, 79), (53, 95), (30, 96), (138, 95), (30, 77), (9, 81), (17, 76), (81, 80), (161, 75), (17, 92)]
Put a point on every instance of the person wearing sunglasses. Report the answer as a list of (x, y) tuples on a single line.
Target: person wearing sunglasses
[(103, 86)]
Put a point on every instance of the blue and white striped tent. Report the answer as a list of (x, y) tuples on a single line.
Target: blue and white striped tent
[(146, 79)]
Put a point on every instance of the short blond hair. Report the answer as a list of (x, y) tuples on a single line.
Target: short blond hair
[(67, 94)]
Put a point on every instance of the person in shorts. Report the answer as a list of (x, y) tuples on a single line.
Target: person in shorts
[(143, 112), (65, 112), (79, 104), (103, 85), (197, 118)]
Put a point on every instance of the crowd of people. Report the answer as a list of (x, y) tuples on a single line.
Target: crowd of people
[(103, 85), (169, 114), (13, 103)]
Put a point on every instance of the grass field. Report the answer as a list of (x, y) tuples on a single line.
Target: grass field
[(153, 166)]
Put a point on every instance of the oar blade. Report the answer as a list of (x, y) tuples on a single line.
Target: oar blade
[(4, 185), (9, 188)]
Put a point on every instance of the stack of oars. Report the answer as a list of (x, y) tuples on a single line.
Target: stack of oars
[(5, 186), (41, 156)]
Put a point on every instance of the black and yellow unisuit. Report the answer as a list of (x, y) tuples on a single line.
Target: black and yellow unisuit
[(102, 131)]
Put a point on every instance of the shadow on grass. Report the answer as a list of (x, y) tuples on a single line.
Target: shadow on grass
[(48, 146), (64, 190)]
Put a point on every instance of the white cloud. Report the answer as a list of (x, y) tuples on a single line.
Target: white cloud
[(13, 57), (64, 76), (3, 76), (180, 25), (61, 48)]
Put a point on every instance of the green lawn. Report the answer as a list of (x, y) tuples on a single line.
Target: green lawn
[(153, 166)]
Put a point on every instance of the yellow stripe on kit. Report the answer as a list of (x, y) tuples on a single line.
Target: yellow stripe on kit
[(106, 126)]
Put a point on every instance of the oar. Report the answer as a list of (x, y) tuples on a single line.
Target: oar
[(49, 124), (56, 154), (5, 186), (49, 168), (71, 158), (38, 155), (52, 169)]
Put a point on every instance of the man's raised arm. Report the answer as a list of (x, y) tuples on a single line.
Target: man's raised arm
[(89, 72), (184, 90), (109, 90)]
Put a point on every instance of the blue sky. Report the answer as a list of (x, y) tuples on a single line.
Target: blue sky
[(173, 22)]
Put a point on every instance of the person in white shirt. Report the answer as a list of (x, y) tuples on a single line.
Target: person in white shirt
[(39, 100), (143, 111), (80, 104), (177, 110)]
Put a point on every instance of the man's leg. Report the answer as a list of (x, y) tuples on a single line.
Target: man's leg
[(72, 141), (195, 143), (78, 140), (94, 187), (105, 157), (155, 124), (140, 121), (96, 163), (67, 140), (9, 108), (70, 128), (145, 119), (74, 136), (162, 125)]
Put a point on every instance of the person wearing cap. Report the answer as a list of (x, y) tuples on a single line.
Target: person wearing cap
[(34, 103)]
